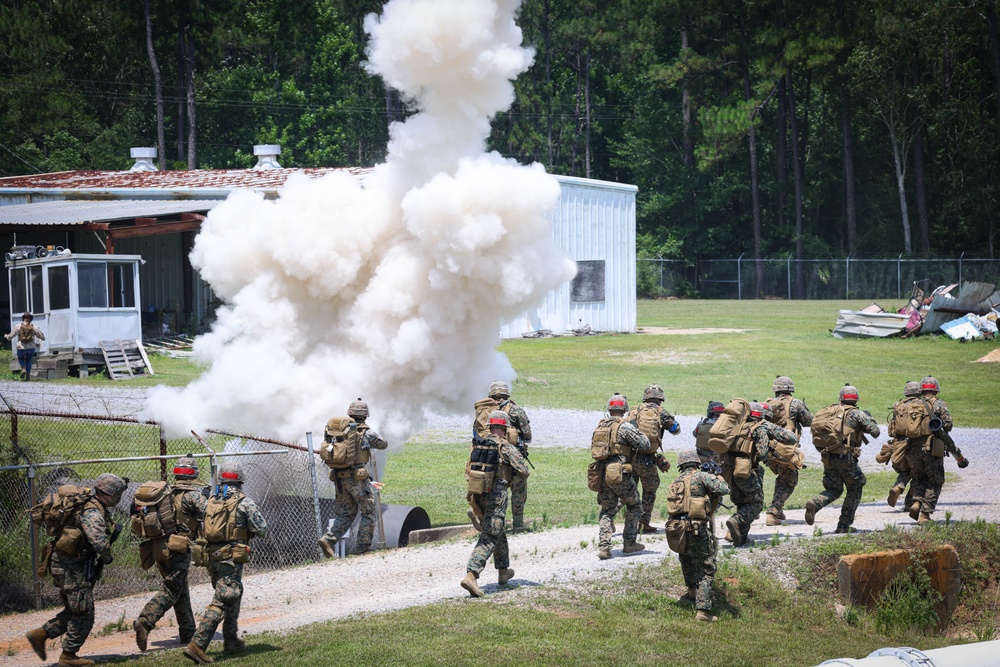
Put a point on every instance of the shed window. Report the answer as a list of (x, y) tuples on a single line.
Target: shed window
[(58, 288), (93, 284), (588, 284), (26, 290), (106, 284)]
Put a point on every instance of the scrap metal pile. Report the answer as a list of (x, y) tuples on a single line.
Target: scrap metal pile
[(970, 314)]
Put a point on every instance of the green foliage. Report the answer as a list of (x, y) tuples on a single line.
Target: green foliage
[(908, 603)]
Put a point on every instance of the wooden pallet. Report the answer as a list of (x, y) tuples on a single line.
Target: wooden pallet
[(125, 358)]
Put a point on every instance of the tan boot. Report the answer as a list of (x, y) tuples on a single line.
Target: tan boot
[(691, 595), (233, 645), (893, 495), (705, 616), (141, 634), (811, 512), (633, 547), (773, 520), (735, 534), (646, 529), (470, 584), (197, 655), (915, 511), (37, 639), (68, 659), (924, 519), (327, 545), (504, 575), (604, 554)]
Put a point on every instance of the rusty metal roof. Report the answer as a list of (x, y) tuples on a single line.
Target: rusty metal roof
[(212, 179), (75, 212)]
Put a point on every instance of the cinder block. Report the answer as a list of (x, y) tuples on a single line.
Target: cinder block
[(863, 577)]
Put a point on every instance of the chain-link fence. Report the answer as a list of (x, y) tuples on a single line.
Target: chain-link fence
[(52, 442), (847, 278)]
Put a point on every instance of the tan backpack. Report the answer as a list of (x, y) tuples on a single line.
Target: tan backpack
[(604, 442), (58, 509), (911, 418), (830, 433), (483, 410), (680, 501), (220, 519), (26, 333), (155, 515), (731, 431), (341, 443), (647, 420), (781, 409)]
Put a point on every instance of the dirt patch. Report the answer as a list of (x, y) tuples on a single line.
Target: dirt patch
[(992, 357), (664, 331), (664, 357)]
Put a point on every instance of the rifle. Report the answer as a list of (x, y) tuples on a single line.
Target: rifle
[(523, 448), (93, 566)]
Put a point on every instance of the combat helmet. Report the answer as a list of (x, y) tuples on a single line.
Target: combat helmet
[(617, 403), (654, 392), (110, 485), (757, 410), (499, 418), (499, 390), (688, 457), (911, 388), (358, 409), (715, 408), (930, 383), (230, 472), (849, 394), (186, 467), (783, 383)]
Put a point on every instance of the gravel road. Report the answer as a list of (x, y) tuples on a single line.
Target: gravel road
[(283, 600)]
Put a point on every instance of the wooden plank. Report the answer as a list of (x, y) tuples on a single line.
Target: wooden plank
[(128, 366), (145, 359)]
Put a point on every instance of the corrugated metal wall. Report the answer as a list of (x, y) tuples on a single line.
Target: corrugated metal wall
[(594, 220)]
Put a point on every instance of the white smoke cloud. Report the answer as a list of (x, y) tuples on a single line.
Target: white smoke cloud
[(394, 291)]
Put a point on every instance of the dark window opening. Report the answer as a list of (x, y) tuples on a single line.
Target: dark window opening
[(588, 284)]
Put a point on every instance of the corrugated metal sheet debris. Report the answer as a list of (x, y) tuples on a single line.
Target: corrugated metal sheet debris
[(972, 298), (854, 324), (75, 212)]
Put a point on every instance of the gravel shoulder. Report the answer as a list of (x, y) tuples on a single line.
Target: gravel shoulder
[(283, 600)]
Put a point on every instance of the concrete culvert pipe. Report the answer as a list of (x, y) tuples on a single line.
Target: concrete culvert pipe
[(981, 654), (398, 522)]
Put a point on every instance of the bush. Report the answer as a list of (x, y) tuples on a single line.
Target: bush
[(908, 603)]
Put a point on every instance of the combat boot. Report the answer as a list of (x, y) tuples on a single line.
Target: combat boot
[(915, 511), (924, 519), (773, 520), (68, 659), (233, 645), (844, 529), (691, 595), (735, 534), (705, 616), (781, 515), (141, 634), (470, 584), (633, 547), (327, 545), (504, 575), (811, 510), (37, 638), (604, 554), (195, 653), (646, 529), (476, 523), (894, 495)]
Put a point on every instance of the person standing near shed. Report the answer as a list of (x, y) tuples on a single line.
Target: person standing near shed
[(25, 332)]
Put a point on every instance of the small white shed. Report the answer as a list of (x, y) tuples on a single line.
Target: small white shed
[(77, 300), (594, 223)]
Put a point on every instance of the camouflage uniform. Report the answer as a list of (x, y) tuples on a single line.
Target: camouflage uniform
[(927, 470), (698, 562), (787, 476), (174, 571), (227, 577), (68, 574), (519, 483), (355, 496), (627, 491), (748, 494), (493, 537), (645, 462), (842, 470)]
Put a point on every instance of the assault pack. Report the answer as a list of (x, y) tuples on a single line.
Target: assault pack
[(483, 410), (680, 502), (482, 466), (26, 333), (58, 509), (647, 419), (830, 433), (220, 519), (604, 442), (155, 511), (731, 431), (781, 409), (342, 444), (911, 418)]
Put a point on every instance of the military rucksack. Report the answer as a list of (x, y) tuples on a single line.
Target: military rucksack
[(220, 519), (483, 410), (647, 419), (156, 511), (482, 466), (830, 432), (604, 442), (341, 443), (58, 509), (731, 430), (681, 502), (911, 418), (781, 411), (26, 333)]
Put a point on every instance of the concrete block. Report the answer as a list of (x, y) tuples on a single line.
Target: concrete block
[(443, 533), (863, 577)]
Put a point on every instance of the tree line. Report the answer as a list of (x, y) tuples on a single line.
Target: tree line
[(760, 127)]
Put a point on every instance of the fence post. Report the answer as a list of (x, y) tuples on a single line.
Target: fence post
[(899, 277), (315, 485), (847, 277), (661, 276), (960, 269), (788, 272), (739, 279), (36, 582), (163, 452)]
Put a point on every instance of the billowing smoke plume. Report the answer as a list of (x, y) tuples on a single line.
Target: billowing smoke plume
[(394, 291)]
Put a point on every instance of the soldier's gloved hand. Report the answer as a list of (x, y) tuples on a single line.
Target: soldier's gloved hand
[(962, 461), (106, 557), (662, 463), (674, 428)]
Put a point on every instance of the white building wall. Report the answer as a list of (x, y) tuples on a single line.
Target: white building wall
[(594, 222)]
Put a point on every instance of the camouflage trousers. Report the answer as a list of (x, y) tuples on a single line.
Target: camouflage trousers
[(175, 593), (927, 473), (227, 579), (786, 478), (840, 473), (747, 496), (607, 498), (493, 538), (698, 563), (354, 496), (649, 478), (518, 496), (76, 619)]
